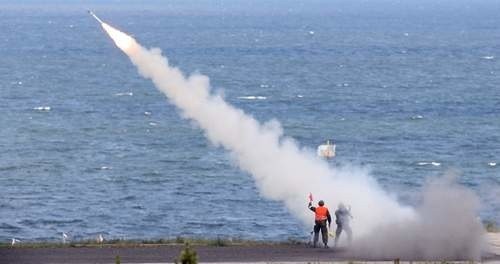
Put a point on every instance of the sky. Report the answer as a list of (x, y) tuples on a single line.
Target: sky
[(277, 7)]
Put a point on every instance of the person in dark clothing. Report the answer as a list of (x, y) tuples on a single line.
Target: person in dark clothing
[(342, 218), (322, 215)]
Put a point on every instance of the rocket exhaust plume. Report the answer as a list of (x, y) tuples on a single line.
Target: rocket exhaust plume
[(96, 18), (285, 172)]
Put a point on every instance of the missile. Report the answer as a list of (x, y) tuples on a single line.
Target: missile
[(96, 18)]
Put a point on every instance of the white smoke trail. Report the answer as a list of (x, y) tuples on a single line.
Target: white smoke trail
[(281, 170), (446, 228)]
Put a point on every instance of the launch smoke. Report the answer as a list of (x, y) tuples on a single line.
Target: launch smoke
[(285, 172)]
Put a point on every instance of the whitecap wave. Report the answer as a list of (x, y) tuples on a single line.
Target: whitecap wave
[(42, 108), (433, 163), (124, 94), (252, 97), (488, 57)]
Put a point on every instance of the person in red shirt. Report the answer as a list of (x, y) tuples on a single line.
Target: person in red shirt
[(321, 217)]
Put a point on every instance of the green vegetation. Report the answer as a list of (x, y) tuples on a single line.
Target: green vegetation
[(117, 260), (187, 256), (218, 242), (491, 226), (179, 240)]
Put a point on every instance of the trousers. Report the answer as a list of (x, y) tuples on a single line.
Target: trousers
[(347, 229), (320, 225)]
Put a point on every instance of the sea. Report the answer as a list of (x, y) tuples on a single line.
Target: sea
[(408, 90)]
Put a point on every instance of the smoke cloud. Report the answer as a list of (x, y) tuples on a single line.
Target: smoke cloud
[(444, 226)]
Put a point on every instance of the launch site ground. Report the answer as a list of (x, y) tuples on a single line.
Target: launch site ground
[(256, 252)]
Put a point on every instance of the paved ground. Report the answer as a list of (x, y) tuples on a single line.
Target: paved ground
[(494, 242), (166, 254)]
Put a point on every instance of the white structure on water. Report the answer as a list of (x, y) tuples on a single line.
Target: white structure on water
[(327, 150)]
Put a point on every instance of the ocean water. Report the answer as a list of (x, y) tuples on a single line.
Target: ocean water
[(410, 91)]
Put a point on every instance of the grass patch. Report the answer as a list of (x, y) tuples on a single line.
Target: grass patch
[(187, 256), (178, 241), (491, 226)]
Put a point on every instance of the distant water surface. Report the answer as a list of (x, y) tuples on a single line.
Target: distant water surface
[(89, 147)]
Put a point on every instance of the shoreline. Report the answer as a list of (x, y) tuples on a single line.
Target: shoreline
[(180, 241)]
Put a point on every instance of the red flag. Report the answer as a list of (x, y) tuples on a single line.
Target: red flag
[(310, 197)]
